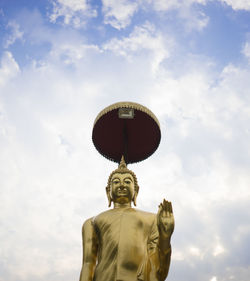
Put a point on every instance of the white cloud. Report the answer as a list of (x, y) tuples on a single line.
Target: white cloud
[(74, 12), (119, 13), (73, 52), (8, 68), (193, 18), (162, 5), (194, 251), (32, 194), (14, 35), (218, 247), (246, 50), (238, 4), (212, 105), (142, 38), (216, 115)]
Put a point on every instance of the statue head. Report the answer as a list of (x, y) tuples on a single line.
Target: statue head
[(122, 185)]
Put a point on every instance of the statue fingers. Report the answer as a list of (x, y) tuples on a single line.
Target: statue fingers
[(171, 208), (166, 205), (160, 210), (158, 216)]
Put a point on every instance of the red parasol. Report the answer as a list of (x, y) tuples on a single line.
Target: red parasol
[(128, 129)]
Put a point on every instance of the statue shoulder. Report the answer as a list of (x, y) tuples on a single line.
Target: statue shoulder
[(88, 223), (103, 214), (92, 220), (146, 215)]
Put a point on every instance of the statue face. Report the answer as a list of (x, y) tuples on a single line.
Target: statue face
[(122, 188)]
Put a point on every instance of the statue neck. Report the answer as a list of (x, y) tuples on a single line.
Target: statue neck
[(124, 205)]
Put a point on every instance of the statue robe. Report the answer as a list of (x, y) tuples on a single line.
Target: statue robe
[(122, 245)]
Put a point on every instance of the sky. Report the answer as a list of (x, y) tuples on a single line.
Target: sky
[(61, 63)]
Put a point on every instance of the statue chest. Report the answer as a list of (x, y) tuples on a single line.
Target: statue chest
[(123, 232)]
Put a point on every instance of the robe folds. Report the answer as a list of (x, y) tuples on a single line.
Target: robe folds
[(121, 244)]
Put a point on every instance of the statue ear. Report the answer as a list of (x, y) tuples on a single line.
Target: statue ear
[(108, 195), (135, 195)]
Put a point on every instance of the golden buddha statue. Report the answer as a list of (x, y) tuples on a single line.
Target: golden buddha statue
[(124, 243)]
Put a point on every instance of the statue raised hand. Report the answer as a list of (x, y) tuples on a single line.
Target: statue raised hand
[(165, 219)]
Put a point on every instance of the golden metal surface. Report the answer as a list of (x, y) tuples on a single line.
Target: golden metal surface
[(127, 244)]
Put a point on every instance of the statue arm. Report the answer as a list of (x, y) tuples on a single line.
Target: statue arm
[(159, 247), (90, 246), (165, 224), (164, 253), (159, 254)]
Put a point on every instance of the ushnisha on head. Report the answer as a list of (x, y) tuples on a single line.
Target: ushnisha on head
[(122, 185)]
